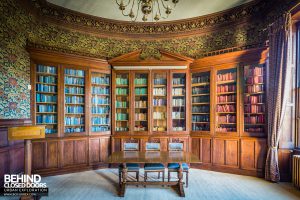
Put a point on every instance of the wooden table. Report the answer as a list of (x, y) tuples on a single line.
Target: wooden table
[(152, 157)]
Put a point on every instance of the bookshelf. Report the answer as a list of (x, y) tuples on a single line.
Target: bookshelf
[(160, 101), (201, 101), (100, 102), (226, 100), (122, 100), (141, 89), (46, 94), (74, 90), (254, 99), (178, 102)]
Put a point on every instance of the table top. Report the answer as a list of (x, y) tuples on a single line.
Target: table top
[(152, 157)]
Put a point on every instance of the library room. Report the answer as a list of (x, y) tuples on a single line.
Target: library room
[(150, 99)]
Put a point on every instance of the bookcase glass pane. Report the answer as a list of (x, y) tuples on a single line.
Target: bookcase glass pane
[(122, 102), (140, 102), (201, 101), (46, 97), (160, 102), (74, 100), (226, 100), (178, 102), (100, 101), (254, 98)]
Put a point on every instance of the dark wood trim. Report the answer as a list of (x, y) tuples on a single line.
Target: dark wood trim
[(14, 122)]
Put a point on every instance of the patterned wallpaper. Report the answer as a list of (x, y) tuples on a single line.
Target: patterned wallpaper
[(18, 28)]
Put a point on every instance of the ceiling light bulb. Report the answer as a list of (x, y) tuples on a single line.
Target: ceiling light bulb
[(168, 10), (157, 17), (131, 14), (175, 1), (144, 18)]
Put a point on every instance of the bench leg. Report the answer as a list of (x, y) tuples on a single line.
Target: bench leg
[(120, 174), (187, 178), (158, 175), (169, 174), (145, 178)]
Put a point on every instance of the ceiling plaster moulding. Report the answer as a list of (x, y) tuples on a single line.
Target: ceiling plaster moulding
[(108, 27)]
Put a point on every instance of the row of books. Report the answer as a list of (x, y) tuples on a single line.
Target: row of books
[(46, 108), (254, 129), (200, 79), (120, 128), (226, 88), (140, 104), (100, 120), (200, 109), (75, 109), (159, 115), (160, 91), (178, 115), (74, 99), (160, 81), (226, 108), (225, 129), (46, 79), (121, 116), (100, 90), (50, 130), (200, 118), (121, 104), (100, 110), (178, 91), (178, 81), (260, 119), (200, 90), (74, 81), (178, 128), (159, 102), (121, 81), (253, 71), (178, 102), (47, 119), (255, 88), (254, 80), (45, 88), (74, 130), (140, 116), (121, 91), (200, 99), (159, 128), (254, 108), (226, 119), (100, 80), (46, 98), (100, 128), (226, 76), (141, 91), (200, 127), (140, 81), (74, 90), (140, 128), (46, 69), (74, 120), (226, 98), (254, 99), (101, 100), (74, 72)]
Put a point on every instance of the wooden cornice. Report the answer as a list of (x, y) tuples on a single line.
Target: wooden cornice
[(166, 59), (66, 58), (257, 55)]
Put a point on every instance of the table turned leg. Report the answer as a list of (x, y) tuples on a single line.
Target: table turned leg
[(124, 179), (180, 181)]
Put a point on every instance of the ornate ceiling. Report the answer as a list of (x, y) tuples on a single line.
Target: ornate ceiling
[(184, 9)]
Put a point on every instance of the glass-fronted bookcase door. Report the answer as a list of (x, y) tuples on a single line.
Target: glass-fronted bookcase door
[(75, 100), (45, 87), (100, 109)]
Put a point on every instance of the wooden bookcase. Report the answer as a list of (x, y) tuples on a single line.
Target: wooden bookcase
[(71, 95)]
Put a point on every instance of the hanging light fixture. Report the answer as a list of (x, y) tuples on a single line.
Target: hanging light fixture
[(152, 8)]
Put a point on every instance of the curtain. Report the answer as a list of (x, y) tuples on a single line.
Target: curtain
[(278, 73)]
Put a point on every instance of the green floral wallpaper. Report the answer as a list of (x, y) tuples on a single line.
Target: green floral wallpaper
[(17, 28)]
